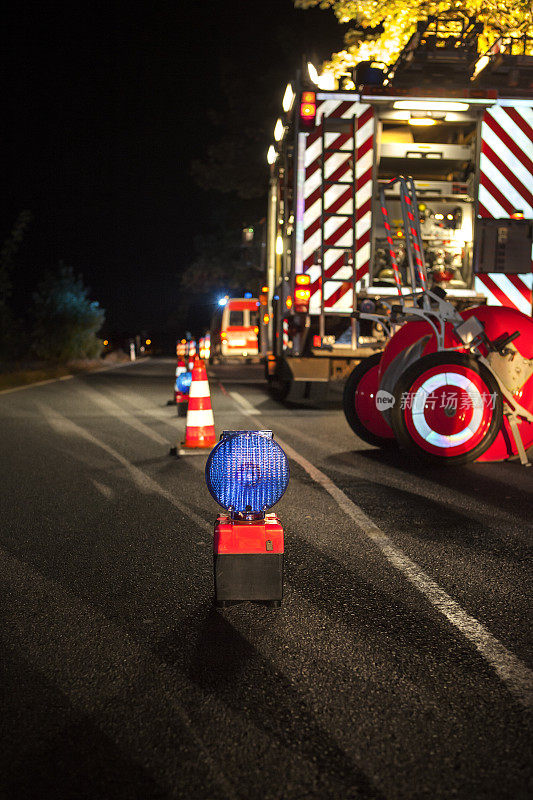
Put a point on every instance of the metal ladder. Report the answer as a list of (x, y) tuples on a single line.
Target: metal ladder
[(331, 125), (413, 235)]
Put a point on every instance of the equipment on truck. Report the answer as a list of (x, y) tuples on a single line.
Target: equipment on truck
[(449, 386), (467, 144)]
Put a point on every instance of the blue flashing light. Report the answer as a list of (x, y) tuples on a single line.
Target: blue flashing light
[(223, 301), (183, 382), (247, 472), (276, 297), (247, 295)]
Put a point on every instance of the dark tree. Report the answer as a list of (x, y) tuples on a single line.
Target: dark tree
[(9, 328), (65, 320)]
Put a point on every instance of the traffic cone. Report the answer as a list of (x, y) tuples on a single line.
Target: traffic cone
[(179, 369), (200, 425), (180, 398)]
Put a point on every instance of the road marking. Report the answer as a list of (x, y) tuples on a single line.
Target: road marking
[(122, 687), (116, 411), (62, 378), (517, 676), (107, 492), (143, 481), (245, 404), (488, 514), (512, 672), (29, 386)]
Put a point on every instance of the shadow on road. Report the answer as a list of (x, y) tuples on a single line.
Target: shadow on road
[(506, 485), (224, 664)]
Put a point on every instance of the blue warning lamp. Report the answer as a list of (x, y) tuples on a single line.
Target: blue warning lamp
[(183, 382), (247, 472)]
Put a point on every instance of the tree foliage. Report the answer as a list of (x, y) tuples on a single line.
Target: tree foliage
[(9, 329), (394, 21), (223, 265), (65, 320)]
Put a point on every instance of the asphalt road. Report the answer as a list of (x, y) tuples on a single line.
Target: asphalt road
[(397, 667)]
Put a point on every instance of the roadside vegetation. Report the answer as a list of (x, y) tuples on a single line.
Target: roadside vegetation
[(57, 334)]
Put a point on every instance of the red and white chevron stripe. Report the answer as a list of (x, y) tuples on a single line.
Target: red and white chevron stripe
[(514, 291), (506, 186), (506, 162), (337, 199)]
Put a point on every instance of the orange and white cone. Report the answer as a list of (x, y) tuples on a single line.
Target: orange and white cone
[(200, 425)]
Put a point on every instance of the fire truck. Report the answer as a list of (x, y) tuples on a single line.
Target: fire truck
[(459, 124)]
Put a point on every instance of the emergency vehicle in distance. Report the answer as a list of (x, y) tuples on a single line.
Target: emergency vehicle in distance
[(461, 125), (235, 329)]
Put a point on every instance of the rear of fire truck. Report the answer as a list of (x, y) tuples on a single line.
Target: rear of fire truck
[(461, 125)]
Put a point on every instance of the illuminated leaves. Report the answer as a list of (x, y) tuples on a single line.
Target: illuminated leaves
[(399, 18)]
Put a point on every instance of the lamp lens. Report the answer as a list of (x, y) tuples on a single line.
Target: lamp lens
[(247, 471), (183, 382)]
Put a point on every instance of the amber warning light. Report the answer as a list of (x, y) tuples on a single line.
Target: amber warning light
[(302, 294), (308, 111)]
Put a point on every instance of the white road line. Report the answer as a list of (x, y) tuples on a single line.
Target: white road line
[(29, 386), (114, 410), (106, 491), (245, 404), (488, 514), (126, 691), (143, 481), (512, 672), (517, 676), (62, 378)]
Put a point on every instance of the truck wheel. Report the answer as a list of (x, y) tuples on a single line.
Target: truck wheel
[(279, 389), (359, 404), (447, 408)]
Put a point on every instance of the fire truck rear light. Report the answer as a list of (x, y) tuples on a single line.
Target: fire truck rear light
[(266, 319), (303, 280), (288, 302), (302, 295), (317, 341), (307, 111), (256, 330)]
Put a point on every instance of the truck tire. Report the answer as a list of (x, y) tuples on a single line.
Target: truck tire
[(278, 388), (358, 402), (448, 408)]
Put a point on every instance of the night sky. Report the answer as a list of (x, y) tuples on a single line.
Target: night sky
[(104, 108)]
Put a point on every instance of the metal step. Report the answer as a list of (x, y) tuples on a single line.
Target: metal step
[(336, 214), (334, 150)]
